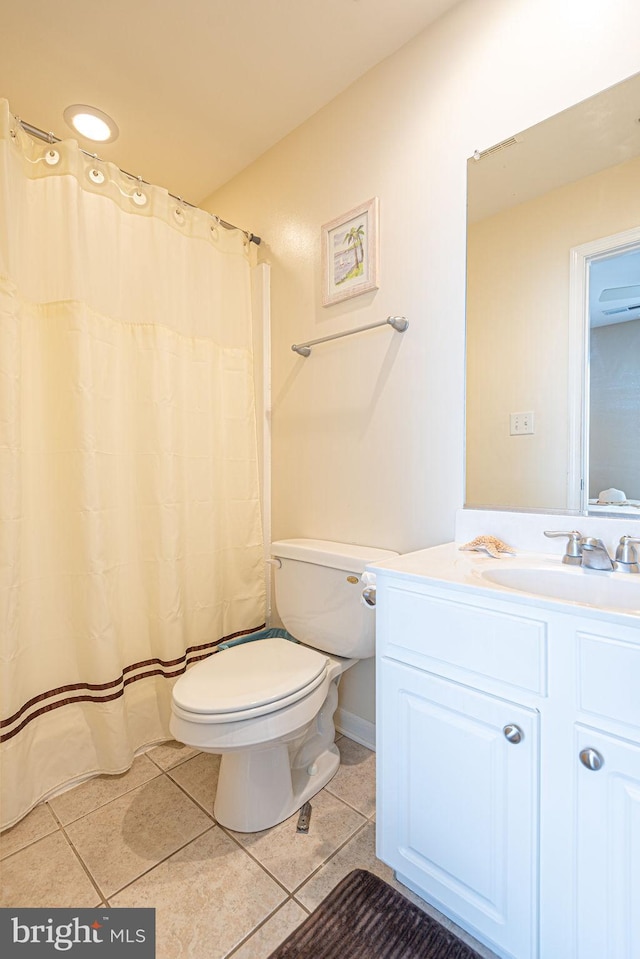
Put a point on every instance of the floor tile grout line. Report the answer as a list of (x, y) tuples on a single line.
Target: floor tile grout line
[(138, 786), (193, 799), (180, 762), (291, 897), (31, 842), (289, 892), (62, 790), (164, 859), (234, 840), (59, 828), (108, 801), (260, 925), (59, 824), (54, 814), (90, 877), (229, 833), (301, 904), (347, 803), (353, 835)]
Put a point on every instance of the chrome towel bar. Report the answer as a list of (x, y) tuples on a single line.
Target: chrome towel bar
[(399, 323)]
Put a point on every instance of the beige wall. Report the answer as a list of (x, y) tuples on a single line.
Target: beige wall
[(368, 431), (517, 334)]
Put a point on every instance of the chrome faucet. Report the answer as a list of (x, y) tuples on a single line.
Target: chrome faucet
[(591, 553), (573, 553), (595, 555), (627, 558)]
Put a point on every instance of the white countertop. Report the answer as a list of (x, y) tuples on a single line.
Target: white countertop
[(449, 566)]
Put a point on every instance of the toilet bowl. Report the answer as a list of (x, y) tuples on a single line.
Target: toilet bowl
[(267, 706)]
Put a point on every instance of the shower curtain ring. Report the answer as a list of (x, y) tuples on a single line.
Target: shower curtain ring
[(179, 210), (214, 228), (138, 196)]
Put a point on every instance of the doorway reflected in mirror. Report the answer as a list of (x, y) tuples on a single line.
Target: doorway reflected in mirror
[(614, 383)]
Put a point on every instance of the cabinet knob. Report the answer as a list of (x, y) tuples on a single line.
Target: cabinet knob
[(591, 758), (513, 733)]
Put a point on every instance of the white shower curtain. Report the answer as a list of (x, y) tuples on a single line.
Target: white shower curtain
[(131, 539)]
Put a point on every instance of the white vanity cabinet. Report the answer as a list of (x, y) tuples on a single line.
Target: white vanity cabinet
[(606, 787), (457, 812), (607, 857), (485, 706)]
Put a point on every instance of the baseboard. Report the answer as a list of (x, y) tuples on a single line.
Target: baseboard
[(356, 728)]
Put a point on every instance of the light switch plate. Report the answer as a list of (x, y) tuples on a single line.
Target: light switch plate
[(521, 423)]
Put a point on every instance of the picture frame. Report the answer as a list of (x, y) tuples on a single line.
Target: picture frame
[(350, 253)]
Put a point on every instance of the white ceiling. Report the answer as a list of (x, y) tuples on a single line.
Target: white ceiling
[(590, 136), (198, 88)]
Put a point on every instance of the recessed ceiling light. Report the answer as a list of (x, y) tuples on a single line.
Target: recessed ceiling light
[(91, 123)]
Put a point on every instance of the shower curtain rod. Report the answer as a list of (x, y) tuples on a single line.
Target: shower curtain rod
[(51, 138)]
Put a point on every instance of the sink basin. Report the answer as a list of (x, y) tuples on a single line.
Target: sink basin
[(619, 591)]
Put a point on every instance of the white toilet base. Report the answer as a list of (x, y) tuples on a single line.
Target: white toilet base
[(258, 788)]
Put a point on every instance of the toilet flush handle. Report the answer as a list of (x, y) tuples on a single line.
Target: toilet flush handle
[(369, 595)]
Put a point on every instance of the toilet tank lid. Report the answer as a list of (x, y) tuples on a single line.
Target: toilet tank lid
[(325, 553)]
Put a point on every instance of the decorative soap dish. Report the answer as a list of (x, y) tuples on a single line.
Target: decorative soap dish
[(488, 544)]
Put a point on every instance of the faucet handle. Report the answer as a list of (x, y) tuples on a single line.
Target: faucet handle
[(627, 555), (573, 554)]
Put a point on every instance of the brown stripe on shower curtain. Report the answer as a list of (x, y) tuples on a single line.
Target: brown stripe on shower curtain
[(169, 669)]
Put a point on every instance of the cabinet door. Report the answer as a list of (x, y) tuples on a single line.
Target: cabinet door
[(607, 864), (457, 812)]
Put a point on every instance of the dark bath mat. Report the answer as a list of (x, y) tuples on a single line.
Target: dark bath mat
[(364, 918)]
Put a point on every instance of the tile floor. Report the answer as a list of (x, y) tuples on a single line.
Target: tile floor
[(148, 838)]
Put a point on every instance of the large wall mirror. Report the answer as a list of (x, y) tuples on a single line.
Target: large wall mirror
[(553, 313)]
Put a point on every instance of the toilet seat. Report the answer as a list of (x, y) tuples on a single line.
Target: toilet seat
[(248, 680)]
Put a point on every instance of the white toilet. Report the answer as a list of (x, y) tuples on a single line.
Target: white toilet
[(267, 706)]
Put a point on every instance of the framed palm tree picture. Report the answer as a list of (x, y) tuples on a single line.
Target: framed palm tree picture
[(350, 253)]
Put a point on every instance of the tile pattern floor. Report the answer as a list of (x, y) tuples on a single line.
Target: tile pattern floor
[(148, 838)]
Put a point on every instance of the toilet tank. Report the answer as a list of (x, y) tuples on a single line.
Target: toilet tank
[(318, 594)]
